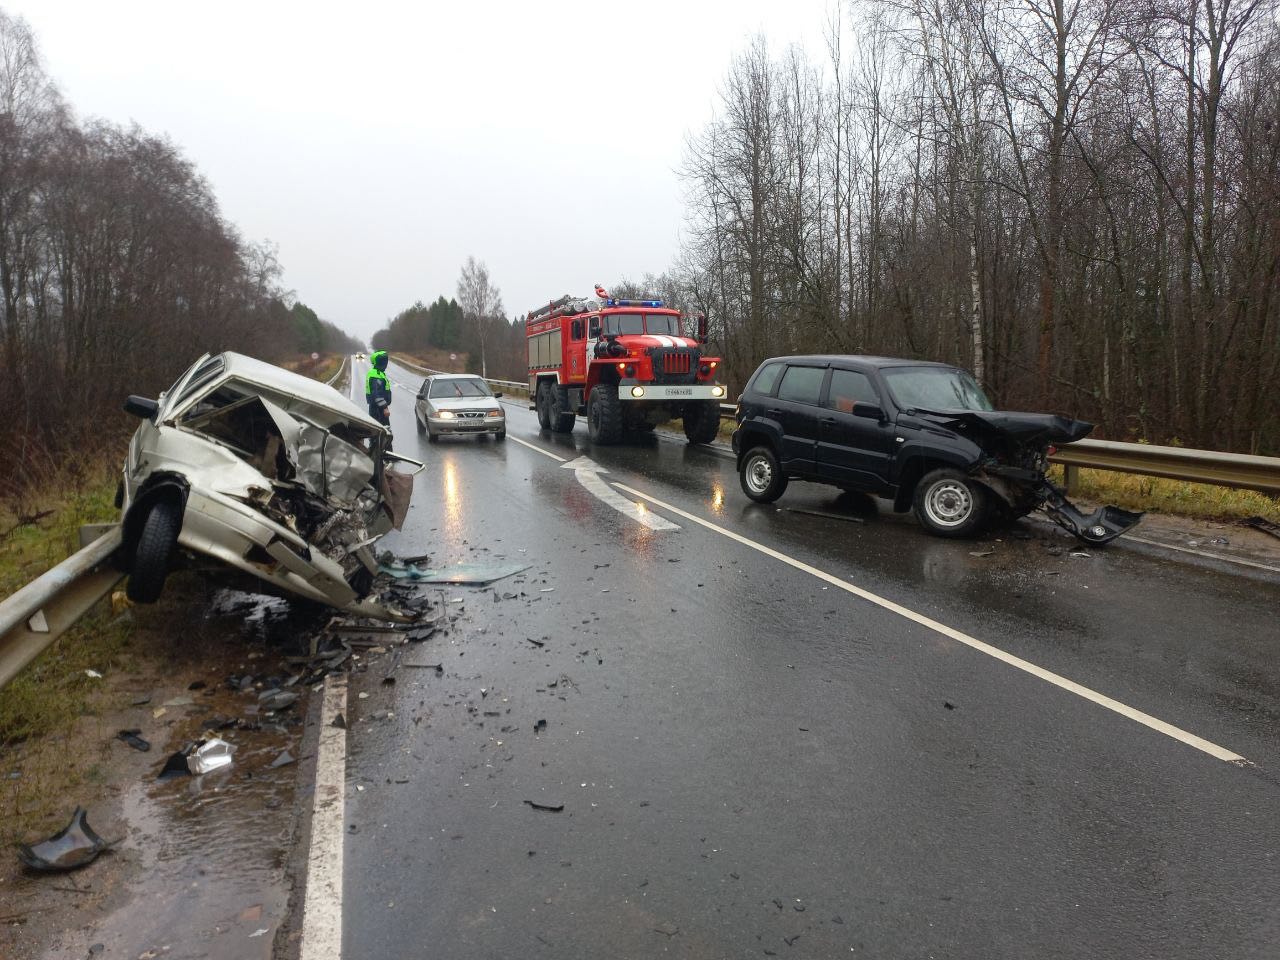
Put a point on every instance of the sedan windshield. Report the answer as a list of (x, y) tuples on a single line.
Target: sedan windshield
[(452, 389), (935, 388)]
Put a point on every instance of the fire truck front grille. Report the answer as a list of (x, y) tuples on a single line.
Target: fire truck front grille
[(674, 364)]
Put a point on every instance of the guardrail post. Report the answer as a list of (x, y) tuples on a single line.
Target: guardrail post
[(1071, 478)]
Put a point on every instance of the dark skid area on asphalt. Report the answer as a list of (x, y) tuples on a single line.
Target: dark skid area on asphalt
[(751, 763)]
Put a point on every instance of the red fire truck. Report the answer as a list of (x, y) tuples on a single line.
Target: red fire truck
[(626, 364)]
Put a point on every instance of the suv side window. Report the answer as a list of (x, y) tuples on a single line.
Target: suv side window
[(766, 379), (849, 387), (802, 384)]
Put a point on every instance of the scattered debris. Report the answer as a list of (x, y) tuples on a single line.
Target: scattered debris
[(550, 808), (74, 846), (981, 553), (132, 739), (182, 701), (1263, 524), (459, 575), (141, 701), (283, 760), (197, 685), (540, 726), (339, 721), (666, 929), (827, 516), (93, 674), (1082, 554), (948, 705)]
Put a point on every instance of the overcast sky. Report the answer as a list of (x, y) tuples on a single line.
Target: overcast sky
[(381, 143)]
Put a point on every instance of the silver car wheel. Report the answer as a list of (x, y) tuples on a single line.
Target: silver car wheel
[(758, 474), (949, 503)]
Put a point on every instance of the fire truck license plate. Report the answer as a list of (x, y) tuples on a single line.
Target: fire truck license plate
[(679, 391)]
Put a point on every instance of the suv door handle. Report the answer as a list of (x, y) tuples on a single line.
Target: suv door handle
[(828, 420), (774, 412)]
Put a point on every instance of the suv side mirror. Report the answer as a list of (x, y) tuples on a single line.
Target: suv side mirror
[(702, 328), (141, 407), (868, 410)]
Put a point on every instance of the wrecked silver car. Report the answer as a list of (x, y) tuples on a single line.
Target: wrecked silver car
[(270, 472)]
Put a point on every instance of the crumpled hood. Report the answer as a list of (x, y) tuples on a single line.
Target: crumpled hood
[(1022, 427)]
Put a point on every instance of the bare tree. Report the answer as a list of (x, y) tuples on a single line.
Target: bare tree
[(481, 304)]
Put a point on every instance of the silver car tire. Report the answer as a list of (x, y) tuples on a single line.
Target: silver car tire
[(950, 504)]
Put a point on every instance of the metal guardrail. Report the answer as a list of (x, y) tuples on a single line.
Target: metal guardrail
[(1239, 470), (342, 366), (39, 613)]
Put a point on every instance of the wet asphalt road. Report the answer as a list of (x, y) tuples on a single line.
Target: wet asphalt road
[(754, 763)]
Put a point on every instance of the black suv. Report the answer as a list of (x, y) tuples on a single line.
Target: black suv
[(921, 434)]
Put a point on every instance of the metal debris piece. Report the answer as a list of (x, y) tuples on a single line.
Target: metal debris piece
[(75, 845), (283, 760), (550, 808), (132, 739), (209, 755)]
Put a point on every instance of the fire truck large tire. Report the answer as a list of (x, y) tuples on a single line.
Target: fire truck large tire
[(541, 403), (702, 421), (562, 418), (604, 415)]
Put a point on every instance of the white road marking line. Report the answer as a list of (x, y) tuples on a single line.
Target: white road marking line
[(1201, 553), (1160, 726), (531, 446), (588, 473), (322, 908)]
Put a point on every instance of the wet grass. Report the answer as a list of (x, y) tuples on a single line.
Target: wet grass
[(1158, 495)]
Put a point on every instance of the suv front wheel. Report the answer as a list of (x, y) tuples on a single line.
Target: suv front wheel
[(761, 477), (949, 504)]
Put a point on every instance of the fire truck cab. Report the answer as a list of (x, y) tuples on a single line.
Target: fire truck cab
[(626, 364)]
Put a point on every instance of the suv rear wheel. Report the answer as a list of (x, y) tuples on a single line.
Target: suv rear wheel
[(761, 478), (949, 504)]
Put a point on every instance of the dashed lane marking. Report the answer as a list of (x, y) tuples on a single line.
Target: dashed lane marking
[(322, 907), (1154, 723)]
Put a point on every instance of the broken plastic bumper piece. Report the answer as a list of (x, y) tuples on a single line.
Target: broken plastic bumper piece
[(1101, 526), (74, 846)]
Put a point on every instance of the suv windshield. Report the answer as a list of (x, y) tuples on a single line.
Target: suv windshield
[(452, 389), (935, 388)]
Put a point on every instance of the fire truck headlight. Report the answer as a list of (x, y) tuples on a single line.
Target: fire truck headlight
[(637, 392), (717, 392)]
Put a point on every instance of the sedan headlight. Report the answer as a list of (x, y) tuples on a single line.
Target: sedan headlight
[(445, 414), (495, 413)]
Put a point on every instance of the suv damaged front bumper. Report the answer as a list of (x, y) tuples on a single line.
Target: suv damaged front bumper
[(1101, 526), (1026, 490)]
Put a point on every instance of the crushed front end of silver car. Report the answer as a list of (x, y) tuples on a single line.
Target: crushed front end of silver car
[(269, 472)]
